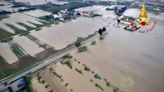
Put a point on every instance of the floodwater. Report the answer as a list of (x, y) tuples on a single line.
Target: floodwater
[(130, 12), (36, 86), (138, 56), (76, 81), (121, 56), (37, 13), (63, 34), (134, 61)]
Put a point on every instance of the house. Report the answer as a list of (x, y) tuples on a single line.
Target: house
[(56, 16), (67, 14)]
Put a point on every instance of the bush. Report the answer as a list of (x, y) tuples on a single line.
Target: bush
[(82, 49), (50, 69), (28, 83), (58, 76), (68, 63), (66, 84), (47, 86), (107, 83), (93, 43), (79, 71), (7, 39), (96, 76), (78, 42), (67, 56), (79, 39), (86, 68), (43, 81), (96, 15), (116, 89), (91, 80), (97, 85), (39, 77)]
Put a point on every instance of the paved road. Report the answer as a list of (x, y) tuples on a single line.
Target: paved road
[(43, 63)]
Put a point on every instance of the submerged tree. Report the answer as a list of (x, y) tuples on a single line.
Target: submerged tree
[(100, 31), (78, 42), (104, 29)]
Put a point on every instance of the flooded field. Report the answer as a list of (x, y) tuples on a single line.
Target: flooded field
[(130, 60), (10, 24), (37, 13), (63, 34), (157, 16)]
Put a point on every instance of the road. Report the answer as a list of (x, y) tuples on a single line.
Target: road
[(43, 63)]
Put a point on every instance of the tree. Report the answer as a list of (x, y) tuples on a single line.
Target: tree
[(78, 42), (100, 31), (104, 29)]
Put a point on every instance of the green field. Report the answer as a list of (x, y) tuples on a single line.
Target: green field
[(17, 30), (17, 50), (9, 69), (5, 69), (26, 26), (4, 34), (51, 20)]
